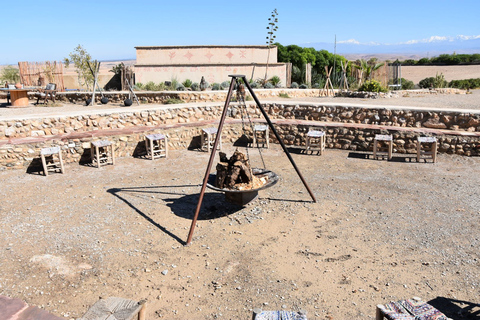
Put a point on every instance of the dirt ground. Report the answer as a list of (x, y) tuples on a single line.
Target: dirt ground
[(379, 231)]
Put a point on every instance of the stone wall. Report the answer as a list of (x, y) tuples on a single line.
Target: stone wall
[(347, 127)]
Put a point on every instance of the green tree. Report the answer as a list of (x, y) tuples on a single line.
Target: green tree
[(10, 74), (80, 59)]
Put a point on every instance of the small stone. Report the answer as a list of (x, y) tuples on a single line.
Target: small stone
[(164, 272)]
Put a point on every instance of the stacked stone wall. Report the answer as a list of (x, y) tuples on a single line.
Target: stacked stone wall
[(347, 127)]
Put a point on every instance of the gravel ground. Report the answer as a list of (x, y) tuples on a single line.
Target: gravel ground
[(440, 101), (380, 231), (436, 101)]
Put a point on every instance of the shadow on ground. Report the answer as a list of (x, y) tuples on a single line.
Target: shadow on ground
[(213, 205), (457, 309)]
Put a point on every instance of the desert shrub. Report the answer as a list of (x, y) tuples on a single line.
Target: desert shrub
[(434, 82), (216, 86), (254, 85), (275, 80), (465, 84), (303, 86), (152, 86), (426, 83), (195, 86), (372, 86), (284, 95), (180, 87), (407, 84), (187, 83), (172, 84), (225, 85), (268, 85), (294, 85), (10, 74), (139, 86), (173, 101)]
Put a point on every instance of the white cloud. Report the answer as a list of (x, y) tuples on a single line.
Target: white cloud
[(350, 41)]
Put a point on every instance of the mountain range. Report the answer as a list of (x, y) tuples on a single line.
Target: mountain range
[(414, 49)]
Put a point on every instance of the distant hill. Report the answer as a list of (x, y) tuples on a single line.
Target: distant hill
[(435, 46)]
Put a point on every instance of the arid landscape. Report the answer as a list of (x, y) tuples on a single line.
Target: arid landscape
[(379, 231)]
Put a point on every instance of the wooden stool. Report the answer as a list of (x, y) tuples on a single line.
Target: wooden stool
[(157, 145), (52, 160), (315, 141), (387, 141), (208, 138), (429, 148), (262, 130), (102, 153)]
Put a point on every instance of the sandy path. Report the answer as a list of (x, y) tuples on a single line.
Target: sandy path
[(379, 231)]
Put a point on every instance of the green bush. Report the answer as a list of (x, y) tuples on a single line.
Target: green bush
[(10, 74), (303, 86), (294, 85), (284, 95), (180, 87), (216, 86), (152, 86), (426, 83), (433, 82), (187, 83), (139, 86), (372, 86), (465, 84), (275, 80), (268, 85), (407, 84), (225, 85), (254, 85), (195, 86)]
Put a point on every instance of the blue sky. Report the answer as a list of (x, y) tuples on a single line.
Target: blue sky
[(50, 30)]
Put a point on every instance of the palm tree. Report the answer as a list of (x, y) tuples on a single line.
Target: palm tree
[(367, 68)]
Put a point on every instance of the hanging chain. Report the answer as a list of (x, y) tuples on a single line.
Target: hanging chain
[(243, 108)]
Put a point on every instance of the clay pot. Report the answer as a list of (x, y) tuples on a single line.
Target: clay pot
[(18, 85), (128, 102)]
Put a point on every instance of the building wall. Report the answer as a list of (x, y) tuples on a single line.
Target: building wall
[(215, 63), (204, 55), (212, 73)]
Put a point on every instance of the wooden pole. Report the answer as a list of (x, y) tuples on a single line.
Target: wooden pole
[(210, 161)]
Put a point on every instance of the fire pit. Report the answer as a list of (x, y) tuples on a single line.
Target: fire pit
[(238, 180)]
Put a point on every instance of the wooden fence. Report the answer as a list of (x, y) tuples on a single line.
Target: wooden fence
[(41, 73)]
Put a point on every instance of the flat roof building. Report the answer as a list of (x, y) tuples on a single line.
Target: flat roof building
[(215, 63)]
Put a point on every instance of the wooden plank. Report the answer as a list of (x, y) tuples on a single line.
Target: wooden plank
[(113, 309)]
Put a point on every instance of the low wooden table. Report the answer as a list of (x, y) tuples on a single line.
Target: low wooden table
[(18, 97)]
